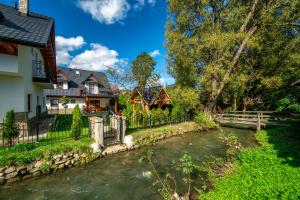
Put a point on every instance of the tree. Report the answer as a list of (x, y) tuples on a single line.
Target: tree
[(142, 69), (64, 102), (76, 123), (210, 43), (10, 127)]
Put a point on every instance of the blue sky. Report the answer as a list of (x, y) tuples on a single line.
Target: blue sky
[(92, 34)]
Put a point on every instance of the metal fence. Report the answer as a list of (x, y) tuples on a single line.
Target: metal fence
[(148, 121), (53, 129)]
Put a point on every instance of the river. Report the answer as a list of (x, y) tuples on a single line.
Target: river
[(122, 176)]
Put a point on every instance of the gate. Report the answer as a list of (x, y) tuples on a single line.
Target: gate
[(108, 129)]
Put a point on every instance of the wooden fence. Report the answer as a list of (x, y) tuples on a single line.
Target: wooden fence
[(257, 119)]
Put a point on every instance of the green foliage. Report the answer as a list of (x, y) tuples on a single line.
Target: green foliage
[(270, 171), (203, 120), (233, 147), (26, 153), (142, 68), (76, 123), (286, 104), (64, 101), (10, 128), (177, 113), (203, 38), (185, 98)]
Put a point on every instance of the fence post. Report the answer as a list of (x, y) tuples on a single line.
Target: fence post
[(98, 130), (122, 129), (258, 122)]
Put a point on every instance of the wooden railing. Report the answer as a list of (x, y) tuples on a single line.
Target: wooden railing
[(257, 119)]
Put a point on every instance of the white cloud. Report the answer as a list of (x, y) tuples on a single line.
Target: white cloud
[(154, 53), (141, 3), (64, 46), (105, 11), (166, 81), (97, 58)]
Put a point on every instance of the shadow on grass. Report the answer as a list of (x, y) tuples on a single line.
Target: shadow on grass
[(286, 143)]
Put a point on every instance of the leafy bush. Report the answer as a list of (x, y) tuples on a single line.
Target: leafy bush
[(76, 123), (177, 113), (10, 128), (286, 104), (203, 120)]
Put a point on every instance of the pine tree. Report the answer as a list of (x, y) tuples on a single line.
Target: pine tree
[(76, 126), (10, 128)]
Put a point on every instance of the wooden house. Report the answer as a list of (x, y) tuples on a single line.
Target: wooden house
[(149, 98)]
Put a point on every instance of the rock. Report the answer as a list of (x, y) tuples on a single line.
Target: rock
[(37, 173), (128, 141), (76, 155), (38, 164), (16, 179), (61, 166), (21, 168), (1, 174), (96, 147), (60, 162), (24, 171), (10, 169), (2, 180), (83, 155), (29, 167), (11, 175), (68, 163), (57, 157), (27, 176), (70, 155), (72, 161), (2, 169), (34, 170), (65, 156)]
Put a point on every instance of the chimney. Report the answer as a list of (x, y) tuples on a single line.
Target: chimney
[(24, 7)]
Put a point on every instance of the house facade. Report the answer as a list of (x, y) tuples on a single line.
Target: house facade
[(148, 98), (89, 89), (27, 61)]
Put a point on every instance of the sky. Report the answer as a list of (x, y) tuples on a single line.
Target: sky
[(94, 34)]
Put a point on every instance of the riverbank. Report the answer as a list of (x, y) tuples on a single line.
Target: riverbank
[(270, 171), (24, 161), (148, 136)]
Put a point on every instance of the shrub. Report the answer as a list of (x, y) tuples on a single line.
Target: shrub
[(76, 123), (10, 128), (177, 114), (286, 104), (166, 114), (203, 120)]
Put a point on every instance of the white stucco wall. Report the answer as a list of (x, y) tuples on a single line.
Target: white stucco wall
[(9, 65), (14, 90)]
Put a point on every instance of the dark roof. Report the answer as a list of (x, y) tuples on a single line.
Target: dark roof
[(76, 84), (84, 75), (32, 29), (149, 94)]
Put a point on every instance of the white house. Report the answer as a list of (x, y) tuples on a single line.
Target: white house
[(89, 89), (27, 60)]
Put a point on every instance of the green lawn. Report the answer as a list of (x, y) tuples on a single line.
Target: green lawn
[(163, 130), (26, 153), (271, 171)]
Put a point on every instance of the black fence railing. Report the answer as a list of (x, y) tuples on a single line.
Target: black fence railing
[(49, 131), (148, 121)]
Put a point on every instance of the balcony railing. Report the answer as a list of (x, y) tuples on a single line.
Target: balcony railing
[(38, 69)]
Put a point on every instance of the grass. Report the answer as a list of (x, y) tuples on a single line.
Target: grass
[(27, 153), (270, 171)]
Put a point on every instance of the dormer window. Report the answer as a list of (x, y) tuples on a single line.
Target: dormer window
[(77, 73)]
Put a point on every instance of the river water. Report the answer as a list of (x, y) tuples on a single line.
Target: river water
[(122, 176)]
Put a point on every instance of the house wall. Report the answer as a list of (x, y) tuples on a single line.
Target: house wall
[(14, 90), (9, 65)]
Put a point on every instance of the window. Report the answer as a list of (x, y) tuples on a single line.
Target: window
[(73, 101), (92, 86), (54, 102), (44, 102), (29, 102), (37, 100)]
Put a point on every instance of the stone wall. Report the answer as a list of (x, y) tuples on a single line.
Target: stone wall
[(10, 174)]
